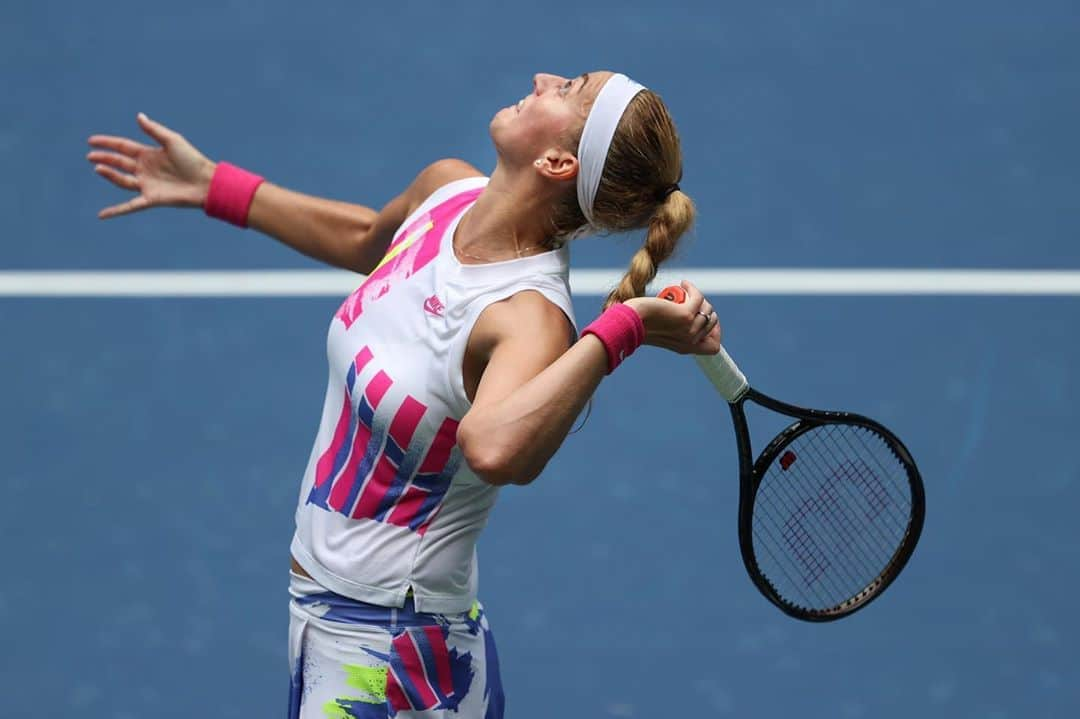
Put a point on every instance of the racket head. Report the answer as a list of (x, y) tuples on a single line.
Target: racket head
[(830, 511)]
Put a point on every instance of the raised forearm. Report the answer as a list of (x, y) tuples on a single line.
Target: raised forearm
[(337, 233), (530, 393), (176, 174), (512, 439)]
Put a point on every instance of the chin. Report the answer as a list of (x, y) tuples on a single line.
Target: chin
[(503, 116), (499, 122)]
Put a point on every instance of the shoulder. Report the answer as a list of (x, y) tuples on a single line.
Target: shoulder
[(526, 317), (513, 340), (436, 175)]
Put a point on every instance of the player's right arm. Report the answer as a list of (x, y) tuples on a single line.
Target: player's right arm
[(341, 234)]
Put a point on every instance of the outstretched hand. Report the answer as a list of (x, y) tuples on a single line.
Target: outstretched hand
[(690, 327), (172, 174)]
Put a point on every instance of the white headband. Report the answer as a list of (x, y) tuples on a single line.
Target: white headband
[(600, 126)]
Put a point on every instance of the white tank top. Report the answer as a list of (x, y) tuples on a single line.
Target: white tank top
[(387, 504)]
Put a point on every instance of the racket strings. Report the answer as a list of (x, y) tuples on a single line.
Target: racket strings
[(829, 521), (797, 536), (811, 562), (809, 551), (861, 488), (880, 502), (875, 493), (831, 506), (899, 494), (806, 557), (844, 525), (761, 529), (810, 565)]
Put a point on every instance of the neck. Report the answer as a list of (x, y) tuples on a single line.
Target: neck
[(504, 224)]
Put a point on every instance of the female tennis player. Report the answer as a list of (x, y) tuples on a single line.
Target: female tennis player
[(454, 369)]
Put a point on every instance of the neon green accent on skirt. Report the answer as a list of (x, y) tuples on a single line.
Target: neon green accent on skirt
[(369, 679)]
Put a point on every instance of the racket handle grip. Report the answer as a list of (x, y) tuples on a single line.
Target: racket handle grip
[(724, 374), (721, 370)]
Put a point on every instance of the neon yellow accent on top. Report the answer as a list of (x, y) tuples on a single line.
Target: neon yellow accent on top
[(406, 243), (474, 610), (369, 679)]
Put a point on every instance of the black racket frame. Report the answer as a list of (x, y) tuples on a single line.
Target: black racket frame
[(752, 471)]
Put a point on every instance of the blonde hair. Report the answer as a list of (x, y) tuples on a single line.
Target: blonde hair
[(638, 189)]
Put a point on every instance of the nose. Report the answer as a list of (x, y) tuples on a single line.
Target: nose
[(542, 81)]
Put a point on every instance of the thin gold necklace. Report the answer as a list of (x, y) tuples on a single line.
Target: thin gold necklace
[(453, 244), (471, 256)]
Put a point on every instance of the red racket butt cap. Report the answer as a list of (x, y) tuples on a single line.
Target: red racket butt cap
[(673, 293)]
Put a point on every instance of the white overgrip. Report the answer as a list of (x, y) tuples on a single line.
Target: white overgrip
[(725, 375)]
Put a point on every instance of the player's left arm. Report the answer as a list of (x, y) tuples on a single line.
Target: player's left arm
[(533, 384), (531, 389)]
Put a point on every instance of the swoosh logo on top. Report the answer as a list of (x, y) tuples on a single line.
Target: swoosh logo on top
[(432, 305)]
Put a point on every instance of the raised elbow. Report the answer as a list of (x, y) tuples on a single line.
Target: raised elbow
[(492, 469), (364, 255), (495, 467), (491, 461)]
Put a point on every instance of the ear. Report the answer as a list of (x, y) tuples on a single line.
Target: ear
[(557, 164)]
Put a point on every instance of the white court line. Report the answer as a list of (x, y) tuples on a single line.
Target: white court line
[(713, 281)]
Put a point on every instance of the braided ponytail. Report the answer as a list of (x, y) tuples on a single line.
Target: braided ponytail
[(669, 222)]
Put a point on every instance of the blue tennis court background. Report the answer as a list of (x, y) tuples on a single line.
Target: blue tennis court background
[(153, 448)]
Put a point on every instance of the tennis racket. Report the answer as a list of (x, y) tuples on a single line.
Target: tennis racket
[(829, 512)]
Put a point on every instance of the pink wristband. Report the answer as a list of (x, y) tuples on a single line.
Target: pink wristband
[(231, 190), (620, 329)]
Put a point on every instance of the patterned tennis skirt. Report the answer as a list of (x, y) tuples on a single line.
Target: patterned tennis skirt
[(352, 660)]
